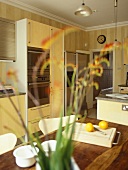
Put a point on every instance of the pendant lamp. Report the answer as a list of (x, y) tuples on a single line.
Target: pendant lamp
[(83, 10), (116, 43)]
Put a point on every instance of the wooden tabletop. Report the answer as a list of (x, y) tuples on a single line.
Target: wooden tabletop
[(88, 156)]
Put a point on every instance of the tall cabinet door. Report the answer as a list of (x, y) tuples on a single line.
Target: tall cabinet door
[(57, 72), (37, 32)]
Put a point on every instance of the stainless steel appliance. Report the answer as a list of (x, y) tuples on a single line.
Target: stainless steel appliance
[(42, 83)]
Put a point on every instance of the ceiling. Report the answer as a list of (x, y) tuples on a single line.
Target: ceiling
[(63, 10)]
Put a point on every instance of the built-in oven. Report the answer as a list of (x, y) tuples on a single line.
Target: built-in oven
[(40, 87), (42, 94), (35, 55)]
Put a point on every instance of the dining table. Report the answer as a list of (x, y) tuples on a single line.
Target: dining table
[(87, 156)]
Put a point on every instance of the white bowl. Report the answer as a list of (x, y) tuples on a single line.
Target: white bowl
[(47, 144), (25, 156)]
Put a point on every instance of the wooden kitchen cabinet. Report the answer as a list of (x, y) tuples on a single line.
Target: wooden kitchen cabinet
[(9, 117), (56, 72), (57, 102), (23, 31), (34, 116), (36, 33), (57, 58), (112, 110), (125, 51)]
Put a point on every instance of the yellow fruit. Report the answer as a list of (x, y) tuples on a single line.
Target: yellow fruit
[(103, 124), (89, 127)]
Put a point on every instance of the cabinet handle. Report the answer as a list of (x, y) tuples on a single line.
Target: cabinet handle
[(42, 83), (118, 138), (29, 23), (35, 121), (39, 107)]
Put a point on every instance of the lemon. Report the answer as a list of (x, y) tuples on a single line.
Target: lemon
[(103, 124), (89, 127)]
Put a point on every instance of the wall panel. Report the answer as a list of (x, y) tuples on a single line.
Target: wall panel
[(13, 13), (119, 67)]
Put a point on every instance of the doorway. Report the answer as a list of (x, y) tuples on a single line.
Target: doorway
[(106, 80), (81, 60)]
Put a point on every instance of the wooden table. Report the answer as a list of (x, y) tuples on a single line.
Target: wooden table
[(87, 156)]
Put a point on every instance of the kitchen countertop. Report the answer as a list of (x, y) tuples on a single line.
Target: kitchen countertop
[(115, 99), (11, 94), (123, 85)]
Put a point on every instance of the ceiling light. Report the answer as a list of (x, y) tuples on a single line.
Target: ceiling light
[(83, 10), (116, 43)]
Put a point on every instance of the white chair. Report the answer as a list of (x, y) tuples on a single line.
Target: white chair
[(52, 124), (7, 142)]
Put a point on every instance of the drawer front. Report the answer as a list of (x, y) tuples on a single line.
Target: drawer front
[(33, 127), (37, 112), (123, 90)]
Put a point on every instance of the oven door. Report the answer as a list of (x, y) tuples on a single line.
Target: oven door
[(43, 90)]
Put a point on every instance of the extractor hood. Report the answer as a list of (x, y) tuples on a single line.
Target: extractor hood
[(7, 40)]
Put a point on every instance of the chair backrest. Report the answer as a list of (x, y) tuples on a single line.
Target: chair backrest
[(7, 142), (52, 124)]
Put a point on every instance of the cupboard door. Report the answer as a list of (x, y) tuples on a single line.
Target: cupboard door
[(56, 72), (125, 51), (9, 117), (34, 116), (57, 103), (57, 59), (37, 32)]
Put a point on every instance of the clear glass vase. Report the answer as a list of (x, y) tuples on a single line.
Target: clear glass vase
[(74, 165)]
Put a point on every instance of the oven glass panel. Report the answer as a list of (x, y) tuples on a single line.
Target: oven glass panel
[(43, 94), (33, 55)]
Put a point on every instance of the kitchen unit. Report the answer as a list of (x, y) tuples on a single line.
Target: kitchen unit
[(56, 72), (28, 33), (123, 89), (9, 119), (36, 32), (113, 107), (34, 116)]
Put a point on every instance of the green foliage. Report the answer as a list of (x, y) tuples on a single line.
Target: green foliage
[(60, 159)]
